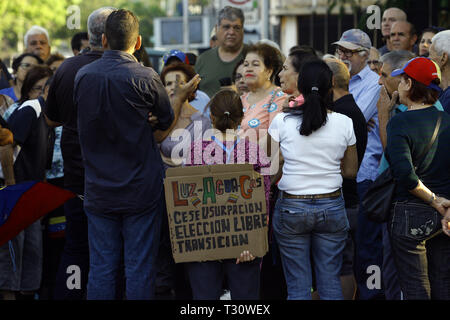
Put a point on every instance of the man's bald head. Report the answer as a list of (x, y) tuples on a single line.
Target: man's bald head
[(390, 16), (403, 36)]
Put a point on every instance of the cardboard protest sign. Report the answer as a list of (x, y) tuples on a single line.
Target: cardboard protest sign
[(215, 212)]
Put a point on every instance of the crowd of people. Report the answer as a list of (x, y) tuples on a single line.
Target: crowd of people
[(106, 126)]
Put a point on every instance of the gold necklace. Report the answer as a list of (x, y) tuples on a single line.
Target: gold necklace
[(416, 107)]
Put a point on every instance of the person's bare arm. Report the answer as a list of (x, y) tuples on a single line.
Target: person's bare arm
[(439, 203), (6, 137), (277, 176), (349, 163), (7, 163), (182, 93)]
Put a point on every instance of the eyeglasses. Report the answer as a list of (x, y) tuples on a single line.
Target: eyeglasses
[(37, 88), (375, 62), (346, 53)]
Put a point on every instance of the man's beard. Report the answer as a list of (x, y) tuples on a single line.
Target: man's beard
[(348, 64)]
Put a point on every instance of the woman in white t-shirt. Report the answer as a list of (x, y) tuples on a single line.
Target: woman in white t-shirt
[(319, 148)]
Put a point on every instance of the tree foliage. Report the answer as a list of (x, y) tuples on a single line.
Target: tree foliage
[(17, 16)]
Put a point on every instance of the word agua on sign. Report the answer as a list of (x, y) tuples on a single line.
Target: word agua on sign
[(245, 184)]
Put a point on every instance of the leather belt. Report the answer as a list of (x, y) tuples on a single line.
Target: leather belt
[(334, 194)]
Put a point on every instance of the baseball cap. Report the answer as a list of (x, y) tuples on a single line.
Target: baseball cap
[(180, 55), (353, 39), (421, 69)]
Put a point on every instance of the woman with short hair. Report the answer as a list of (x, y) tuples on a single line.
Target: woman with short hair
[(264, 99), (422, 175)]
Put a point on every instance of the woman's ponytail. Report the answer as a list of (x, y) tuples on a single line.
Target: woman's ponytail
[(314, 83)]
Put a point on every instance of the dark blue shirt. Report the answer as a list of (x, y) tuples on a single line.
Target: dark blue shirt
[(445, 99), (60, 108), (31, 133), (123, 167), (346, 105)]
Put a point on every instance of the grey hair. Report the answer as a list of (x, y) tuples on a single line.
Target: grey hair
[(96, 25), (340, 71), (364, 52), (329, 56), (441, 42), (34, 30), (230, 13), (397, 59)]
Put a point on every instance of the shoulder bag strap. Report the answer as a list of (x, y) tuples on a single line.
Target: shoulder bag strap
[(433, 139)]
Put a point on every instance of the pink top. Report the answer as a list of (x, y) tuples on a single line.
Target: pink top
[(260, 115)]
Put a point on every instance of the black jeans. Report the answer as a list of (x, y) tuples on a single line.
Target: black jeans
[(76, 251), (421, 252)]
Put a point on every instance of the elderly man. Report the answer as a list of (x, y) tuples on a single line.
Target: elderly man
[(390, 62), (390, 16), (403, 36), (439, 53), (60, 110), (124, 207), (219, 62), (374, 60), (353, 49), (37, 41)]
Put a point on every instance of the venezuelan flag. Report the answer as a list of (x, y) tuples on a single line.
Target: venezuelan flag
[(233, 198), (24, 203)]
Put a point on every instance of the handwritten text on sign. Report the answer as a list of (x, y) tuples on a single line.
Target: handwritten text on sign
[(214, 214)]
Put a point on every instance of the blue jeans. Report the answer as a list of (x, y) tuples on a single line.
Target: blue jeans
[(369, 249), (138, 234), (319, 227)]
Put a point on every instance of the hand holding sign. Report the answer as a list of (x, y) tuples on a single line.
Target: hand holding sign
[(246, 256)]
